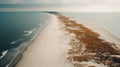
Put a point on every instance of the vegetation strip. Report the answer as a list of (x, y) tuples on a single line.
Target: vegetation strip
[(96, 49)]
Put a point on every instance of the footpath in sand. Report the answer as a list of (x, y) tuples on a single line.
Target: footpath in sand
[(48, 50)]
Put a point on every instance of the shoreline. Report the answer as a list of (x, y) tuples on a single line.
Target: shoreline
[(15, 54), (23, 47), (46, 47), (49, 50)]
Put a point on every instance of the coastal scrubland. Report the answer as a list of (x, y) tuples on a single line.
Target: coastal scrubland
[(86, 46)]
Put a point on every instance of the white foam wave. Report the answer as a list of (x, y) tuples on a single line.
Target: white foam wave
[(3, 54), (40, 24), (14, 42), (29, 32)]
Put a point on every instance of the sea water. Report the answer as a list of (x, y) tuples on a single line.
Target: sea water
[(17, 28)]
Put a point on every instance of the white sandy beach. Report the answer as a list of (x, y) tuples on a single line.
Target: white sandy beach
[(48, 50)]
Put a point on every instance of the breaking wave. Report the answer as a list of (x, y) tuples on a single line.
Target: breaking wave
[(29, 32), (3, 54)]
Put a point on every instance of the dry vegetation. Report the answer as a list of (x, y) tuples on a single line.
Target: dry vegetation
[(86, 45)]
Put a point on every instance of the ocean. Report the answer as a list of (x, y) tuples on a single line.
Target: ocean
[(108, 21), (16, 30)]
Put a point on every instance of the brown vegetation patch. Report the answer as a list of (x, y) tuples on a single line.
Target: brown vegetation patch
[(88, 38), (80, 58)]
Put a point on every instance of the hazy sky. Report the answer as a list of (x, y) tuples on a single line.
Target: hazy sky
[(62, 5)]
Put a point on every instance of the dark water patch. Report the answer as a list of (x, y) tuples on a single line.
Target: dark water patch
[(16, 28)]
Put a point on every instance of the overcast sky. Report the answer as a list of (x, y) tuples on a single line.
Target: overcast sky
[(63, 5)]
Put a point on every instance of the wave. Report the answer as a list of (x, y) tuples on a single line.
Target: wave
[(40, 24), (15, 42), (3, 54), (29, 32)]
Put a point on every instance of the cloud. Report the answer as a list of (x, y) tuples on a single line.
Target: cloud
[(66, 5), (89, 2)]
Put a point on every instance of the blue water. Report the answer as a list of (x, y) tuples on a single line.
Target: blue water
[(109, 21), (19, 27)]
